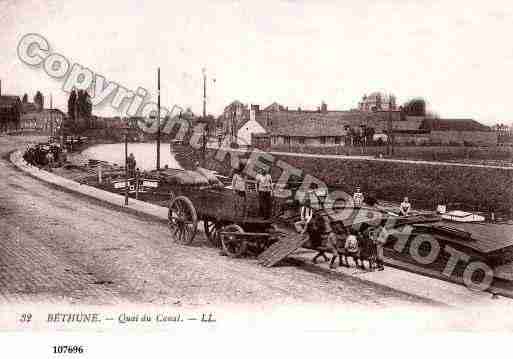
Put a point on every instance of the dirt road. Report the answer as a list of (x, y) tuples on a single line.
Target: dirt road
[(56, 247)]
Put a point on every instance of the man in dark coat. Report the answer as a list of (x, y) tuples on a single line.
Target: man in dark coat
[(131, 164)]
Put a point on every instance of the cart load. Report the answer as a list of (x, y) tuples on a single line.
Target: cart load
[(200, 177)]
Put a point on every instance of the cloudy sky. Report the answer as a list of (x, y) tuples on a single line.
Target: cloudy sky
[(456, 54)]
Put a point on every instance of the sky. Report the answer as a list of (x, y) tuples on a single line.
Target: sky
[(455, 54)]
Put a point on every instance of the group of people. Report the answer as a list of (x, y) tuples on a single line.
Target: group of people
[(264, 186), (345, 242), (46, 155), (359, 199)]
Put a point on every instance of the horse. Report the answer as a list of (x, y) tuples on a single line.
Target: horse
[(316, 231), (335, 243), (321, 237), (326, 236), (366, 248)]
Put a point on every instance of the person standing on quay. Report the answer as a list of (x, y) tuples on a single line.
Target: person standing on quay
[(358, 198), (265, 187), (49, 160), (405, 207), (131, 163)]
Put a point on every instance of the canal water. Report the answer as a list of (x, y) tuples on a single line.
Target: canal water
[(145, 154)]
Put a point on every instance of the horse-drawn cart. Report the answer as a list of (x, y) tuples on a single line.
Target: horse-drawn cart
[(233, 223), (221, 211)]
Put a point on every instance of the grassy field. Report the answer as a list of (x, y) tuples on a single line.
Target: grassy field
[(481, 155), (470, 188)]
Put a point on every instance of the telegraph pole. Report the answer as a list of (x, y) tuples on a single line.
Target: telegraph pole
[(205, 128), (389, 129), (51, 116), (391, 124), (232, 135), (158, 120), (75, 108), (127, 183), (204, 93)]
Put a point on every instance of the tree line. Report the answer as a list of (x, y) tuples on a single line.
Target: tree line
[(79, 112)]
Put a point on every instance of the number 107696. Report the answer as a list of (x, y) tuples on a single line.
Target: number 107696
[(68, 349)]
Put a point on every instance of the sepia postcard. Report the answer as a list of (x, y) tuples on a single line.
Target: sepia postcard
[(296, 177)]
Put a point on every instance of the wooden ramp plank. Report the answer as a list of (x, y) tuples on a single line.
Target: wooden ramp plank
[(281, 249)]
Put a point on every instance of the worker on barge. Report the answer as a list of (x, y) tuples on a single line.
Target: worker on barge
[(239, 187), (305, 216), (358, 198), (405, 207), (264, 187), (131, 164)]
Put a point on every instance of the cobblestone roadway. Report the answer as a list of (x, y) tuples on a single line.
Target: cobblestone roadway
[(57, 247)]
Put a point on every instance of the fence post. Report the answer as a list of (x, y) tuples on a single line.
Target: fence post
[(137, 184)]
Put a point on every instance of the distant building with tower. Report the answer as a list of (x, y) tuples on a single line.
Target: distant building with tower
[(375, 121), (377, 101)]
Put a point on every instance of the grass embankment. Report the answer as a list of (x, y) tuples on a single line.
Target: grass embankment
[(468, 188), (501, 156)]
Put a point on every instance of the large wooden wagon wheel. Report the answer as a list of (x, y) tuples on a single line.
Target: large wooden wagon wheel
[(182, 219), (212, 232), (233, 246)]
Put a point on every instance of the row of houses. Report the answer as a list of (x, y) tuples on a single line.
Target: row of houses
[(376, 119), (10, 113), (18, 115), (46, 121), (277, 126)]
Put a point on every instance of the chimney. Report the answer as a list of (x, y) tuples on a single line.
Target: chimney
[(324, 108)]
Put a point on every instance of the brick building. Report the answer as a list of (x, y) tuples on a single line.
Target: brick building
[(27, 107), (335, 128), (377, 101), (47, 121), (504, 134), (277, 126), (10, 113), (233, 118)]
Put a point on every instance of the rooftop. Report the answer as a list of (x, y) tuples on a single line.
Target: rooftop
[(457, 124), (332, 123), (9, 101), (28, 107)]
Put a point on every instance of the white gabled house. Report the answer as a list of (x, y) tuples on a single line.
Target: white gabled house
[(249, 128)]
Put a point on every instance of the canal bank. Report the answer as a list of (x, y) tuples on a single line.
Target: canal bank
[(59, 247), (446, 293), (484, 189), (393, 277)]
